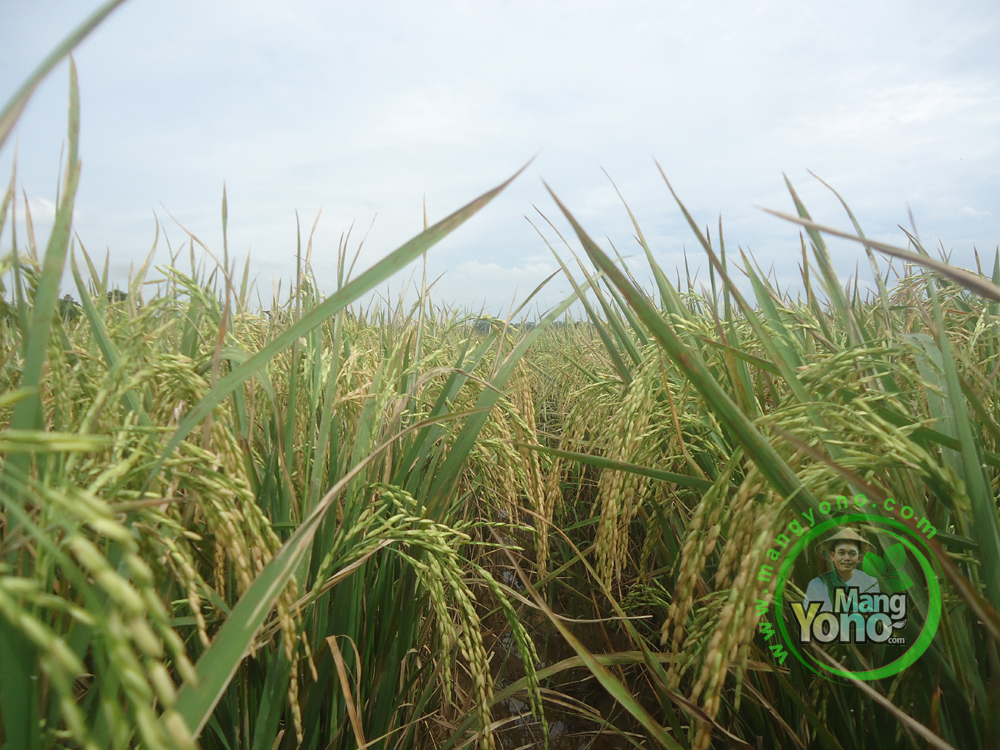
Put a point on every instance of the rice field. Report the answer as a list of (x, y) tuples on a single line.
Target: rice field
[(405, 526)]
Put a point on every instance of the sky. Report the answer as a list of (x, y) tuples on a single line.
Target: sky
[(362, 110)]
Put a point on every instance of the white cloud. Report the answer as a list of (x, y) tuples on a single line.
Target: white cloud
[(876, 112), (474, 269), (43, 211), (419, 118), (43, 215)]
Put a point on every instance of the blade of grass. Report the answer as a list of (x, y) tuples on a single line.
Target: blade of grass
[(28, 412), (345, 687), (883, 294), (614, 321), (608, 681), (616, 359), (608, 463), (13, 109), (903, 718), (668, 295), (959, 275), (830, 281)]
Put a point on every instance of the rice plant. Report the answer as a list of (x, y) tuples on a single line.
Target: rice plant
[(321, 525), (241, 529), (761, 407)]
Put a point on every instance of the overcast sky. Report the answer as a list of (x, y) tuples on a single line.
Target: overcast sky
[(363, 107)]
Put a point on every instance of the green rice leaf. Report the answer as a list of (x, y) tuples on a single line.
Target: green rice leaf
[(104, 342), (13, 109), (960, 276), (613, 465), (28, 412), (36, 441), (772, 466)]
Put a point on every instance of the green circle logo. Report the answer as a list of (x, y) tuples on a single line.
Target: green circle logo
[(889, 573)]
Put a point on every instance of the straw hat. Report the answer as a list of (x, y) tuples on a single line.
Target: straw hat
[(825, 547)]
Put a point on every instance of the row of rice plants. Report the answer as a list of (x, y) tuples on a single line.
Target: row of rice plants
[(246, 530), (708, 420)]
